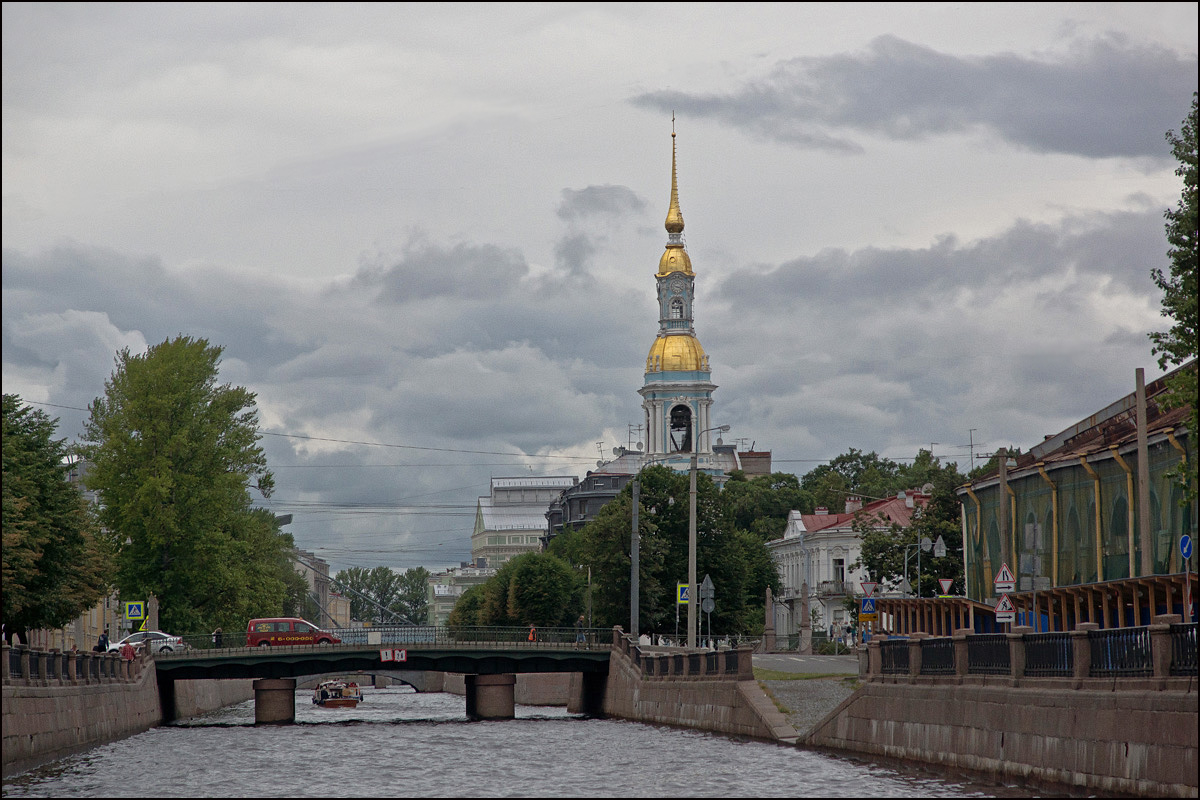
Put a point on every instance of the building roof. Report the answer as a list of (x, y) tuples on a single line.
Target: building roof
[(891, 510), (512, 517), (1113, 426)]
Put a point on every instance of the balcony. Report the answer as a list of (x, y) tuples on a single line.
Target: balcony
[(831, 588)]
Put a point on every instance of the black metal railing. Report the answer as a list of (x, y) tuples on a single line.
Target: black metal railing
[(937, 656), (894, 656), (1183, 649), (1049, 655), (1120, 651), (988, 654), (431, 635)]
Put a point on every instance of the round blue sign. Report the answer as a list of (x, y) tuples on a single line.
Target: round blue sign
[(1185, 546)]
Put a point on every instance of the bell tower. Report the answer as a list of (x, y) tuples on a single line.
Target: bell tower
[(677, 391)]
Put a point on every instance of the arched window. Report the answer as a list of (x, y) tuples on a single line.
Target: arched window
[(677, 308), (681, 429)]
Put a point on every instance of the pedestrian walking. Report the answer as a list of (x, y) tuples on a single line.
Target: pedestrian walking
[(532, 633), (217, 637), (102, 643), (579, 638)]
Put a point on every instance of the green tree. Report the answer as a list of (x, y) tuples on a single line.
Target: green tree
[(531, 589), (465, 613), (1178, 345), (761, 504), (55, 566), (736, 560), (853, 473), (377, 595), (173, 456), (884, 543), (413, 601)]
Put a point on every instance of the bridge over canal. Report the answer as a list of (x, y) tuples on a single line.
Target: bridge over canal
[(488, 658)]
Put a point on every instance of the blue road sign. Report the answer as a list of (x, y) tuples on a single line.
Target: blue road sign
[(681, 594), (1185, 546), (868, 605)]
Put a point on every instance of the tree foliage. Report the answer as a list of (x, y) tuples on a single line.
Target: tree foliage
[(761, 504), (884, 543), (735, 559), (1179, 303), (173, 456), (383, 596), (537, 589), (853, 473), (55, 566)]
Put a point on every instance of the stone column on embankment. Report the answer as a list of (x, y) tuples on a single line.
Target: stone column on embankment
[(491, 696)]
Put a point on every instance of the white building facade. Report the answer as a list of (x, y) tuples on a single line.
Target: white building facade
[(817, 554)]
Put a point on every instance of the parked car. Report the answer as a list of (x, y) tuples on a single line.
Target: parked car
[(286, 631), (158, 641)]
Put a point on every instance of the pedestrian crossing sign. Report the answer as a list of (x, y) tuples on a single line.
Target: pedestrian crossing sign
[(135, 609), (681, 594), (867, 612)]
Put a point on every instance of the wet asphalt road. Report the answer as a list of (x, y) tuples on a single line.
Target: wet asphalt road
[(791, 662)]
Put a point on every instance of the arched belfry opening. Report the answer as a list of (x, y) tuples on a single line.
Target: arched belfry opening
[(681, 429)]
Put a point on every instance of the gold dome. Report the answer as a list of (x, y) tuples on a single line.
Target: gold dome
[(675, 259), (677, 353)]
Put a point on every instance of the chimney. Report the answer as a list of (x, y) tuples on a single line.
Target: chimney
[(853, 504), (908, 501), (822, 511)]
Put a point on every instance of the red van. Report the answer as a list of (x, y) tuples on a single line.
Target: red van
[(286, 631)]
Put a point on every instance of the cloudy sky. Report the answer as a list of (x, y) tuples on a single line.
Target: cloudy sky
[(426, 235)]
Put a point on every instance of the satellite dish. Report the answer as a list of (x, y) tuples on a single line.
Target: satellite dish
[(927, 489), (639, 445), (616, 451)]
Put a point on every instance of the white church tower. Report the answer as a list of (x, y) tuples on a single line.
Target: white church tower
[(677, 393)]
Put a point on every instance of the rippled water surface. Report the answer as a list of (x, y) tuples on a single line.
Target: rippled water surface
[(398, 743)]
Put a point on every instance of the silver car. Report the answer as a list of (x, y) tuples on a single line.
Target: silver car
[(157, 641)]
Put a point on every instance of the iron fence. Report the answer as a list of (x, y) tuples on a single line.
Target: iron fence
[(1049, 655), (894, 656), (1121, 651), (434, 635), (988, 654), (1183, 649), (937, 656)]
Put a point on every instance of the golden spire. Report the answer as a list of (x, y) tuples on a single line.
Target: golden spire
[(674, 216)]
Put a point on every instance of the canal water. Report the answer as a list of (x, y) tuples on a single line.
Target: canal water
[(399, 743)]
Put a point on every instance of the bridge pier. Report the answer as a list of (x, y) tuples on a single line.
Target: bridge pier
[(490, 696), (275, 701)]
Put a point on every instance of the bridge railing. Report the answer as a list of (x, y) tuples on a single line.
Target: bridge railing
[(26, 666), (1163, 649), (431, 635)]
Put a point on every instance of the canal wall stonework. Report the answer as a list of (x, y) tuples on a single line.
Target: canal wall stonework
[(1135, 741), (729, 703), (56, 714), (53, 719)]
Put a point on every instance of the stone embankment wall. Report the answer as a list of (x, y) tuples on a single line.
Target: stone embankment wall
[(49, 718), (50, 712), (706, 691), (1045, 732)]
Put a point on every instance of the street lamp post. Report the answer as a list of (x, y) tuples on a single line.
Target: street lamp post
[(693, 591)]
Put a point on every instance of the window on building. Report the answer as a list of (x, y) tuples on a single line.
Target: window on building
[(839, 570)]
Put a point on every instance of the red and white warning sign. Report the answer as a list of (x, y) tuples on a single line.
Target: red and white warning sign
[(393, 655), (1005, 581), (868, 588), (945, 584), (1005, 610)]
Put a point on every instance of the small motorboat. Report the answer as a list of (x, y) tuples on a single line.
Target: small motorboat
[(337, 694)]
